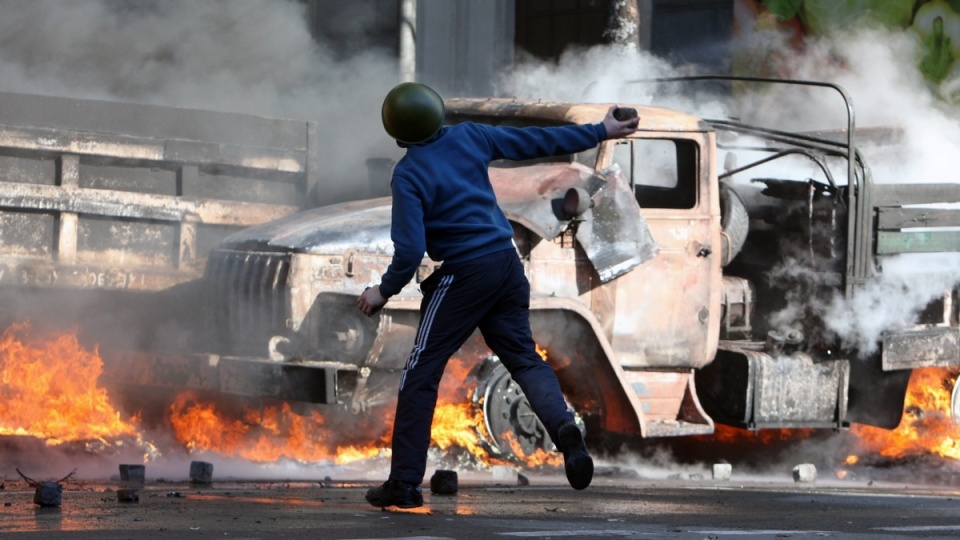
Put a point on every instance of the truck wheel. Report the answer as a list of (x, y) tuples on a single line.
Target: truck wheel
[(734, 221), (514, 430), (337, 331)]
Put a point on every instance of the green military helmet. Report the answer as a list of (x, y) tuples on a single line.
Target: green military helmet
[(412, 112)]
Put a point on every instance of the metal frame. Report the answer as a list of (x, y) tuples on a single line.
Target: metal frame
[(859, 189)]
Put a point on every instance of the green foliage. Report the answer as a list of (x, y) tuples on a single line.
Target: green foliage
[(937, 58), (824, 16), (785, 10)]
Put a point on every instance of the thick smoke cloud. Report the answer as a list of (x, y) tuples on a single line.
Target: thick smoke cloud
[(248, 56), (907, 284), (605, 74)]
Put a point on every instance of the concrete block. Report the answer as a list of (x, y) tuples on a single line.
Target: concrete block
[(201, 472), (48, 494), (506, 474), (443, 482), (722, 471), (805, 472), (127, 495)]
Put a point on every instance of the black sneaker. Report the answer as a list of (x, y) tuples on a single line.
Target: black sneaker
[(576, 460), (395, 493)]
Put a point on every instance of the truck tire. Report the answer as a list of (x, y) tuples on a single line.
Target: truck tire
[(734, 223), (508, 416)]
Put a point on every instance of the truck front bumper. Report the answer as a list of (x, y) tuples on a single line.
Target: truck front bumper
[(307, 381)]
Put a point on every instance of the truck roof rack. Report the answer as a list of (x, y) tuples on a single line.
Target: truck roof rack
[(859, 231)]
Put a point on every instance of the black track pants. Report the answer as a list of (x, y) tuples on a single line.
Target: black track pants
[(490, 293)]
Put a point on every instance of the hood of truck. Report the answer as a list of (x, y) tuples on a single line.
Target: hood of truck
[(329, 229), (530, 196)]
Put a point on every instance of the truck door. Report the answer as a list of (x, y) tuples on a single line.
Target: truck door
[(667, 309)]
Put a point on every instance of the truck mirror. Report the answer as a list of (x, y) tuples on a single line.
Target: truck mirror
[(576, 201)]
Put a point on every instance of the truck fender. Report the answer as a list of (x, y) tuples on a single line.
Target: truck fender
[(590, 375)]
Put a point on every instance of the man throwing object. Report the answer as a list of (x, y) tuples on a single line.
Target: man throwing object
[(444, 205)]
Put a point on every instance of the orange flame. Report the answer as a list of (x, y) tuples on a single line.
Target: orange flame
[(455, 425), (539, 457), (270, 434), (731, 435), (926, 426), (457, 422), (277, 432), (925, 429), (49, 390)]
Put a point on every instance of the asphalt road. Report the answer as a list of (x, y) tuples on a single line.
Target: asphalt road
[(613, 507)]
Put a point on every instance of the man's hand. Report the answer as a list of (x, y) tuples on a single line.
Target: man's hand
[(370, 301), (617, 128)]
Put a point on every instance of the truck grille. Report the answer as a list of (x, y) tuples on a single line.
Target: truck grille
[(248, 299)]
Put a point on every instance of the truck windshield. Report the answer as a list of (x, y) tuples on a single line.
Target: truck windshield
[(662, 172)]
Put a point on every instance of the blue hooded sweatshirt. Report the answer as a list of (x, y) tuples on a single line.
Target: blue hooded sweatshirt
[(443, 202)]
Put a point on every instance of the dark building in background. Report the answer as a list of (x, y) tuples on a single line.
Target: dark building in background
[(546, 29), (349, 27), (697, 32), (462, 46)]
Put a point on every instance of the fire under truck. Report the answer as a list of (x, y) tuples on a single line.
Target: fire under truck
[(653, 262)]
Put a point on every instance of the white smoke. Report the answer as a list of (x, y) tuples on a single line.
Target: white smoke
[(878, 70), (595, 74), (894, 299), (610, 73), (249, 56)]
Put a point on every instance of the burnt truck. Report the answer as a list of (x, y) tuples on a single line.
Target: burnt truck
[(108, 210), (656, 294)]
